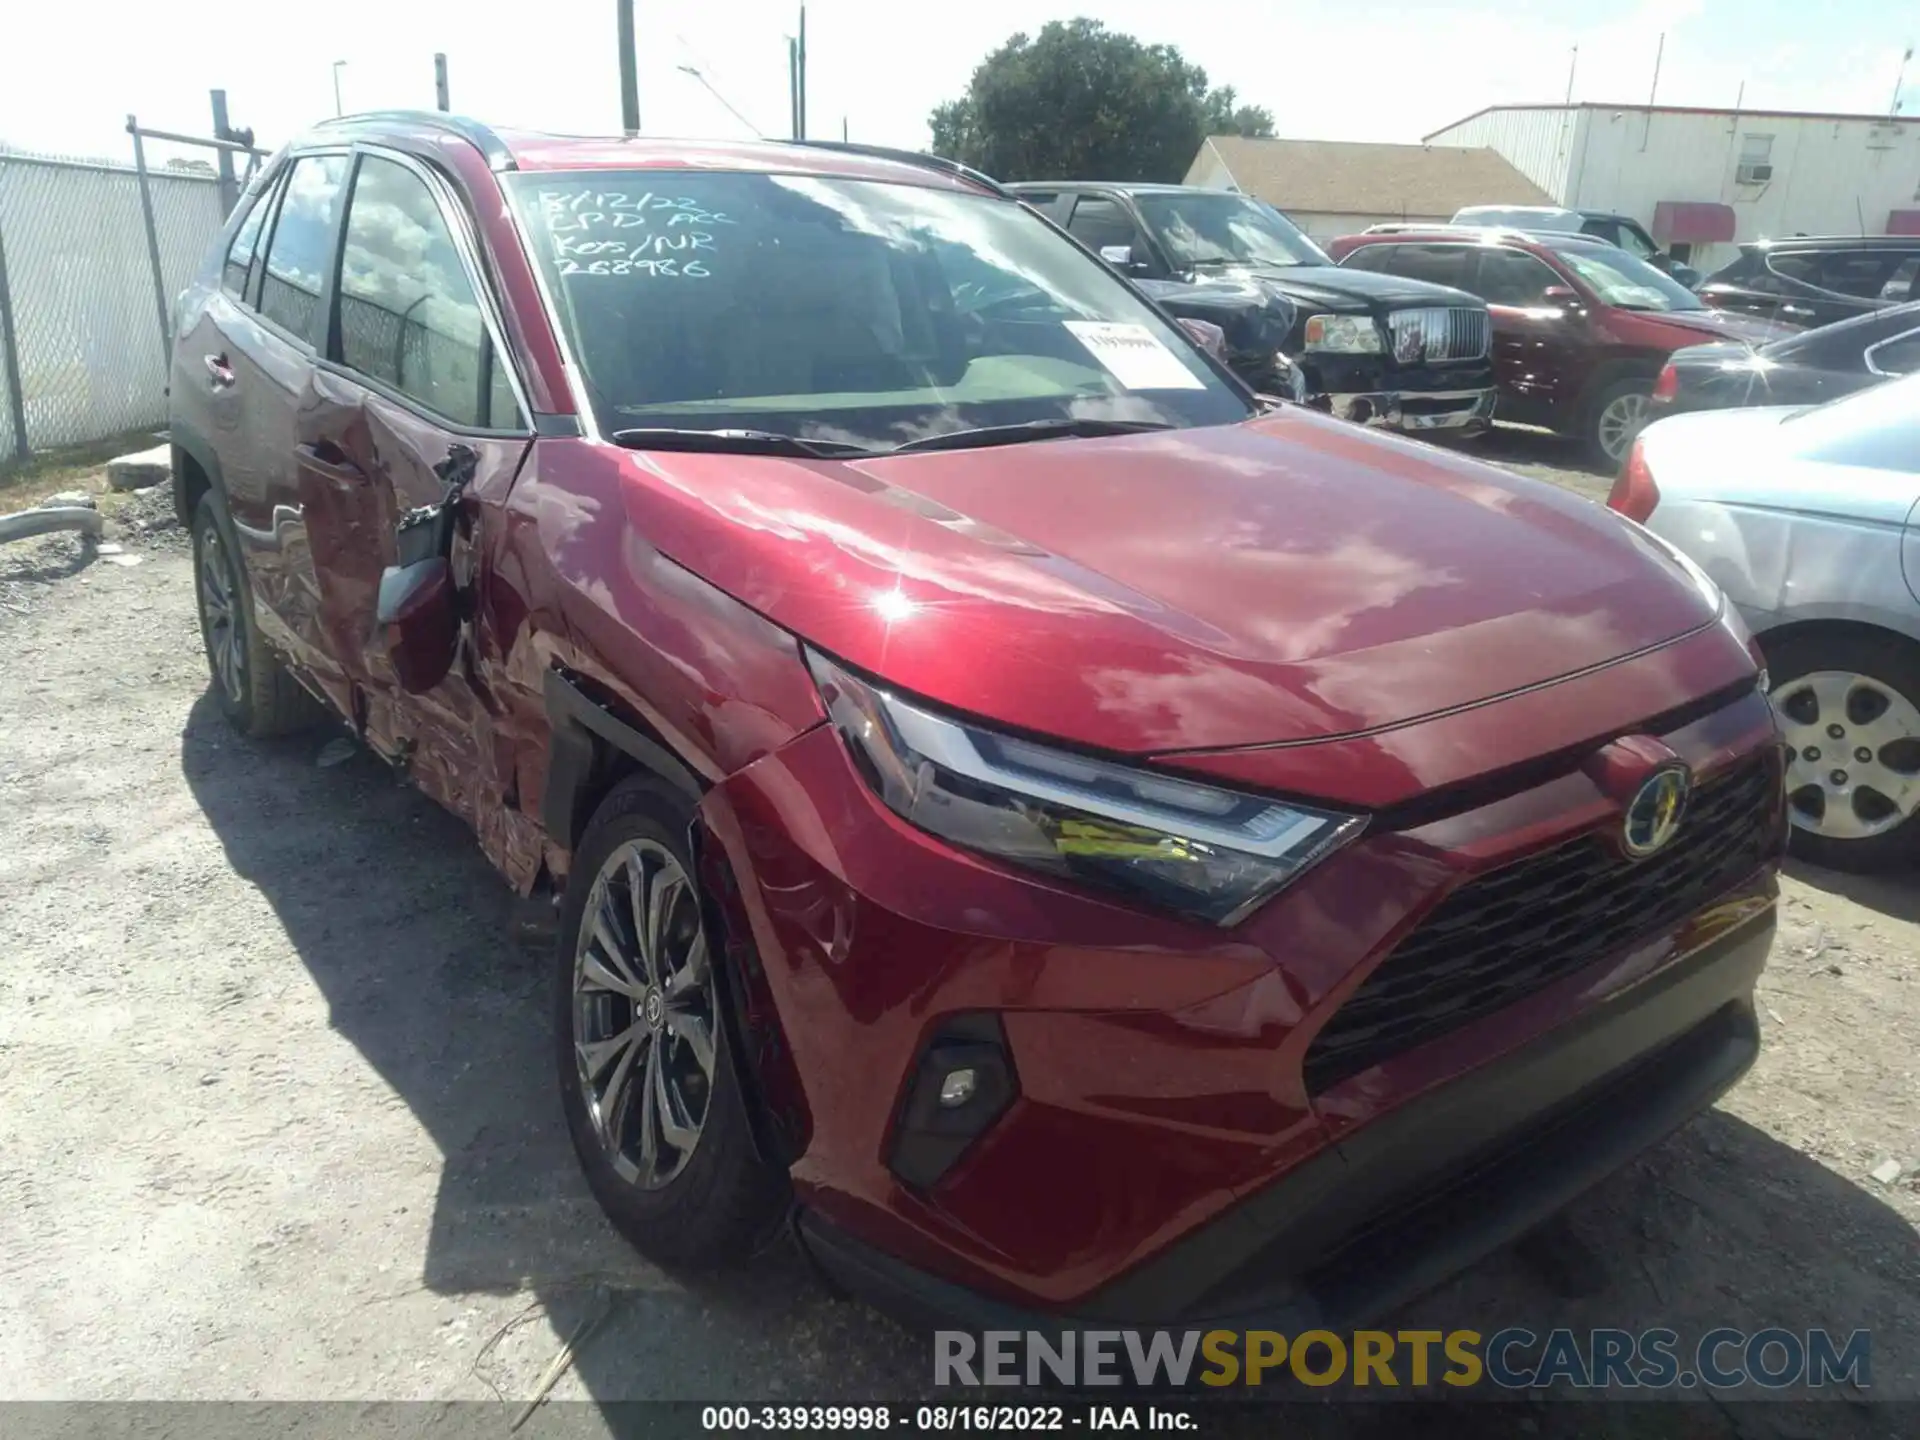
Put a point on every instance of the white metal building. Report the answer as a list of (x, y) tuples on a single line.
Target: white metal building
[(1700, 179)]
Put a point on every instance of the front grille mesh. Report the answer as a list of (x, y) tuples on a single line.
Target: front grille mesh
[(1516, 930), (1429, 335)]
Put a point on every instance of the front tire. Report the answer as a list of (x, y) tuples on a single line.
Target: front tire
[(1849, 707), (654, 1105), (255, 692)]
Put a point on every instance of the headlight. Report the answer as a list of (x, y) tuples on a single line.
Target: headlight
[(1343, 334), (1213, 854)]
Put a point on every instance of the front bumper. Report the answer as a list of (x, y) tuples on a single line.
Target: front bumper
[(1416, 412), (1422, 1193), (1157, 1066)]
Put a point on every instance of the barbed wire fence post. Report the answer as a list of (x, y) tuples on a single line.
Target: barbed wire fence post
[(17, 450)]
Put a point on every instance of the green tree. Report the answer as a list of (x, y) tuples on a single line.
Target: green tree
[(1082, 102)]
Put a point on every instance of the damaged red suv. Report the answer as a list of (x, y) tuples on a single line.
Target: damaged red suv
[(1076, 840)]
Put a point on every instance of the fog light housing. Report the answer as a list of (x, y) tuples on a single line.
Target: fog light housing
[(962, 1085)]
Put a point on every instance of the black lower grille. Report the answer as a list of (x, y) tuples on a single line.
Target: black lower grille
[(1516, 930)]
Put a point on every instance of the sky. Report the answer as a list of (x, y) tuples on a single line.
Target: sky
[(1327, 69)]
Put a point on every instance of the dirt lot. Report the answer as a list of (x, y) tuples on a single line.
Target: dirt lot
[(276, 1088)]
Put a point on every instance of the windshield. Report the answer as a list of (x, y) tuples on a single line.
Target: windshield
[(1216, 228), (1626, 281), (1877, 428), (849, 311)]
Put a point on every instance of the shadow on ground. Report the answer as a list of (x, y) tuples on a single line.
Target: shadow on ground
[(1894, 893), (434, 972)]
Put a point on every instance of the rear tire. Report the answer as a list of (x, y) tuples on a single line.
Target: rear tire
[(1847, 813), (665, 1141), (255, 692), (1614, 418)]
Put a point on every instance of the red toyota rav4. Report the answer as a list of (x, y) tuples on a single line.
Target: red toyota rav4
[(1076, 840)]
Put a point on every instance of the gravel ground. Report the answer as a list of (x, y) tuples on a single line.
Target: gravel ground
[(281, 1124)]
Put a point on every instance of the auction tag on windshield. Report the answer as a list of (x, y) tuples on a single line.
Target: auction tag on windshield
[(1134, 356)]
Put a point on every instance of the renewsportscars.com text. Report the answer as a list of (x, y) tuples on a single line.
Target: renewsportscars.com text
[(1513, 1358)]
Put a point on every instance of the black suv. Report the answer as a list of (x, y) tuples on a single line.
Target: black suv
[(1817, 279), (1371, 348)]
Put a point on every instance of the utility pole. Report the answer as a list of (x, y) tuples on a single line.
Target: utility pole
[(440, 82), (336, 86), (802, 72), (1899, 79), (843, 129), (223, 158), (793, 87), (1659, 51), (629, 72), (1573, 66)]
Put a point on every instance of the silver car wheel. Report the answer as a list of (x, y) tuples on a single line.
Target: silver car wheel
[(220, 616), (1854, 768), (1621, 422), (643, 1014)]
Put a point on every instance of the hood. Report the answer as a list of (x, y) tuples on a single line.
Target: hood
[(1288, 578), (1720, 325), (1256, 319), (1341, 291), (1713, 355)]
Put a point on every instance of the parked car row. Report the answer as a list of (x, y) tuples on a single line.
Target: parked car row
[(1368, 348), (1807, 368), (1816, 280), (1581, 328), (1808, 519), (1561, 319), (1622, 230)]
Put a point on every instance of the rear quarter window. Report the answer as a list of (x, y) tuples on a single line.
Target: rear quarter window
[(302, 243), (1437, 264), (246, 243)]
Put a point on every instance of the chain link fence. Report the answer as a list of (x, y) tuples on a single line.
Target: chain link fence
[(88, 357)]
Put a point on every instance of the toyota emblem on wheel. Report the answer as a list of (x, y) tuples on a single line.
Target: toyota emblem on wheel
[(1655, 812)]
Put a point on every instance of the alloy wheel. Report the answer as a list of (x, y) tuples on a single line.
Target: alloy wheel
[(1621, 422), (1854, 767), (644, 1014), (220, 616)]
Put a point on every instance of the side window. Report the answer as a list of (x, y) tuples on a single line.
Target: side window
[(1635, 241), (1440, 264), (1098, 221), (409, 317), (1801, 269), (302, 242), (1898, 356), (1511, 277), (1859, 273), (1899, 285), (1371, 257), (246, 241), (1607, 230)]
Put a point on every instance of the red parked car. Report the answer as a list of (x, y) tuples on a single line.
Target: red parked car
[(1580, 327), (1072, 839)]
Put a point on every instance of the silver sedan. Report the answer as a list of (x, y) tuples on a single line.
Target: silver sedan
[(1809, 520)]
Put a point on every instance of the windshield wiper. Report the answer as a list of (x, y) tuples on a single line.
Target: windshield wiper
[(1030, 430), (739, 442)]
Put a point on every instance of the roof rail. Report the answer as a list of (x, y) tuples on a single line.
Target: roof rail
[(480, 136), (1403, 227), (914, 157)]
